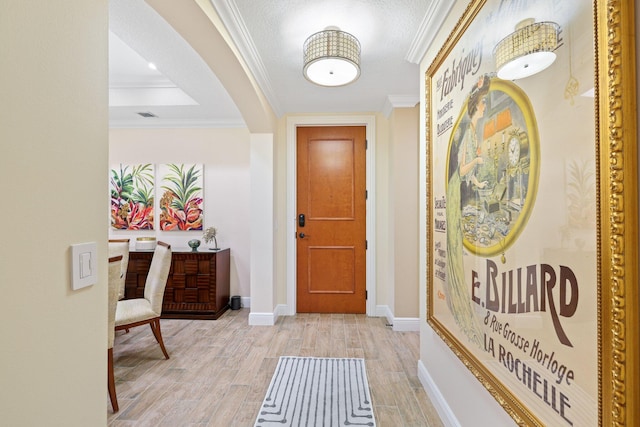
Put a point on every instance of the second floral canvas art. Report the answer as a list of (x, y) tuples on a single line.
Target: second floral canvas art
[(132, 191)]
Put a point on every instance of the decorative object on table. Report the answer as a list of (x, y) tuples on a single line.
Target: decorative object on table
[(209, 235), (145, 243), (182, 197), (131, 190), (341, 381), (193, 244)]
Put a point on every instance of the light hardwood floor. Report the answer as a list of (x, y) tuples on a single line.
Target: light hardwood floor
[(219, 370)]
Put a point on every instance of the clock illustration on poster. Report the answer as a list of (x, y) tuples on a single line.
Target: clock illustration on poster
[(496, 153)]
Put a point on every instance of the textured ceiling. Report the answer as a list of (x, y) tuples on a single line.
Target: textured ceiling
[(385, 30), (270, 35)]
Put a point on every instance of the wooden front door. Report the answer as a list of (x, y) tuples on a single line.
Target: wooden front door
[(331, 222)]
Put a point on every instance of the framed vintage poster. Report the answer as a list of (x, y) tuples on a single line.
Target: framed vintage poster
[(532, 213)]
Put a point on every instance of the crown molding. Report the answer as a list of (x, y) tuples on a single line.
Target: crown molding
[(158, 123), (232, 20), (399, 101), (433, 20)]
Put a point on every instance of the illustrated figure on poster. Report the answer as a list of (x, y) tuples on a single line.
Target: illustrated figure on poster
[(463, 182)]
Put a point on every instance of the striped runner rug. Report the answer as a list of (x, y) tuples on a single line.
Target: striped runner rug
[(315, 391)]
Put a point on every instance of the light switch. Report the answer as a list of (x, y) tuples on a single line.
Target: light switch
[(83, 265)]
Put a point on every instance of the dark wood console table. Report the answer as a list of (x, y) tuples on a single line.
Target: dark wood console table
[(198, 284)]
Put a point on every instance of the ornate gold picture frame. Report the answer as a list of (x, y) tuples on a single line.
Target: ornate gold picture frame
[(532, 216)]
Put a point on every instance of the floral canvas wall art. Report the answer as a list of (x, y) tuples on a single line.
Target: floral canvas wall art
[(182, 197), (132, 188)]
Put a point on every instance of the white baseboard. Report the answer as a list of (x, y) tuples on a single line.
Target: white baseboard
[(406, 324), (281, 310), (267, 319), (262, 319), (443, 409), (384, 311), (400, 324)]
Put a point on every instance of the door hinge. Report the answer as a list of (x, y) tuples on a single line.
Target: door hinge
[(366, 294), (366, 194), (366, 245), (366, 144)]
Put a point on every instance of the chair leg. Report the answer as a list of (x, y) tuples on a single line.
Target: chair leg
[(155, 328), (111, 383)]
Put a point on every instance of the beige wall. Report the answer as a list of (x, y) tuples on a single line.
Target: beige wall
[(225, 156), (403, 166), (383, 242), (53, 134)]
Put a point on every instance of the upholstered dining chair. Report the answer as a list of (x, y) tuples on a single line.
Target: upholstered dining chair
[(115, 272), (120, 247), (140, 311)]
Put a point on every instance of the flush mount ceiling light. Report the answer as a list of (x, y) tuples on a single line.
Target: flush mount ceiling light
[(331, 58), (528, 50)]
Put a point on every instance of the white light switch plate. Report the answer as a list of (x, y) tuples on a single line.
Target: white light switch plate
[(84, 265)]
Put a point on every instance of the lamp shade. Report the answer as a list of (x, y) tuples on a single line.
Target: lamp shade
[(331, 58), (528, 50)]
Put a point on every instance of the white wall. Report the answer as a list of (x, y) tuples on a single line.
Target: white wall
[(53, 138), (262, 270), (225, 155)]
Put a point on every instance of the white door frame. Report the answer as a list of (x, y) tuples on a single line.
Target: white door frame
[(292, 123)]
